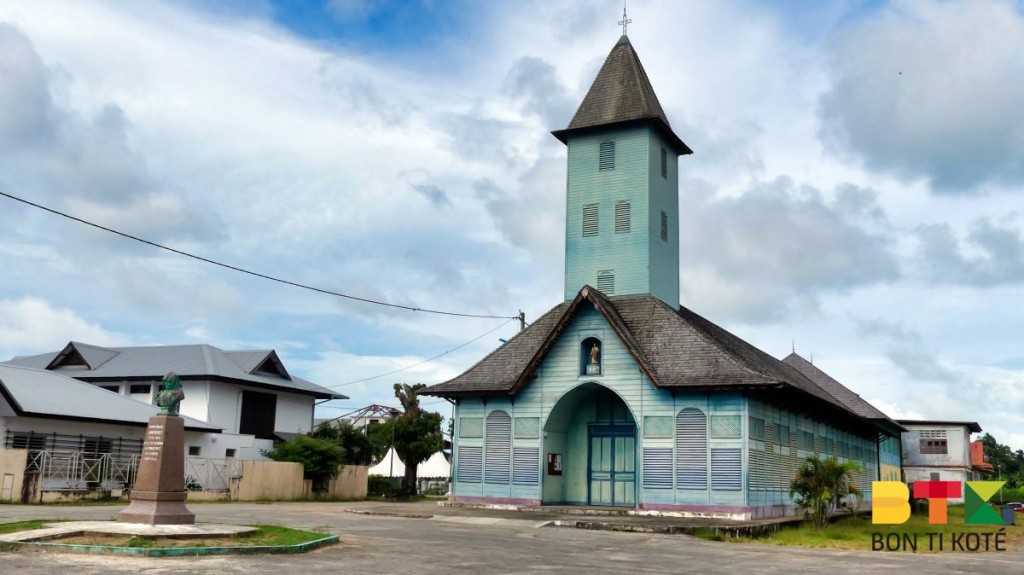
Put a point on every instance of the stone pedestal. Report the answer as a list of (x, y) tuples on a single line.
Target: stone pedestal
[(158, 497)]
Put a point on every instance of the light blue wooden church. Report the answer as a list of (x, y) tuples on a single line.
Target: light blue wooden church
[(621, 397)]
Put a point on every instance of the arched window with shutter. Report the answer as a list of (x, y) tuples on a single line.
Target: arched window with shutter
[(497, 448), (691, 449)]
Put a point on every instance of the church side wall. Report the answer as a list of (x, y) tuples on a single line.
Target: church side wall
[(779, 440), (889, 460)]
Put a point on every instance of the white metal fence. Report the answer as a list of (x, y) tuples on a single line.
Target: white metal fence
[(206, 474), (76, 470)]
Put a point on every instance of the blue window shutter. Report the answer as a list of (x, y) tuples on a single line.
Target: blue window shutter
[(657, 468), (726, 469), (526, 466), (470, 463), (691, 449), (497, 448)]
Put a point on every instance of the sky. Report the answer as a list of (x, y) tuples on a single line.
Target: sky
[(855, 191)]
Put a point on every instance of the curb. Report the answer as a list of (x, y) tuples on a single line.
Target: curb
[(172, 551), (734, 531), (390, 514)]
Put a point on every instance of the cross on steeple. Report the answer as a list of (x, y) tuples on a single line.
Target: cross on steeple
[(625, 21)]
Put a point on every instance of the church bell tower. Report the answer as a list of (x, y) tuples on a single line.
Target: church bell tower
[(622, 195)]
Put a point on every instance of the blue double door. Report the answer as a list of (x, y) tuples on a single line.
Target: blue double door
[(611, 467)]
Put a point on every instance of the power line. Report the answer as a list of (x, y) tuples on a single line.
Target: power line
[(249, 272), (503, 324)]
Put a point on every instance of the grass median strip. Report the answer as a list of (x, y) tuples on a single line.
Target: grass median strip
[(265, 538), (856, 532)]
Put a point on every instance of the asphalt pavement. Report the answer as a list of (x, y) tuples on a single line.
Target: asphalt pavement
[(422, 538)]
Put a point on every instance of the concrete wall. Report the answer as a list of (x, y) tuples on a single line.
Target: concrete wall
[(283, 481), (213, 445), (350, 485), (225, 405), (294, 412), (958, 446), (268, 481), (216, 445), (12, 474), (67, 427), (954, 465)]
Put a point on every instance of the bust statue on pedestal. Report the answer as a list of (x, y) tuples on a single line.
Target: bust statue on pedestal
[(158, 496)]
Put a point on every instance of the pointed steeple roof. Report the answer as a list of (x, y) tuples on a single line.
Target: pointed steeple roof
[(622, 93)]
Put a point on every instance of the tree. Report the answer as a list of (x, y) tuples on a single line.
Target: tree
[(354, 445), (379, 435), (1009, 464), (320, 458), (820, 485), (417, 434)]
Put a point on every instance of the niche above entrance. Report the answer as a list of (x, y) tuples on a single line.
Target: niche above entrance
[(591, 356)]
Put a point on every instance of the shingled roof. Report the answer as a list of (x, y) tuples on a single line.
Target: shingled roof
[(676, 349), (622, 93), (851, 400)]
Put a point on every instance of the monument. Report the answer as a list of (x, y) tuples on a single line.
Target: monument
[(158, 497)]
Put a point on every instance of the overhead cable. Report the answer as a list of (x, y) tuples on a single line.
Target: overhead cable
[(429, 359), (249, 272)]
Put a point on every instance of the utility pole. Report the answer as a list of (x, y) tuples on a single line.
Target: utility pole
[(522, 320)]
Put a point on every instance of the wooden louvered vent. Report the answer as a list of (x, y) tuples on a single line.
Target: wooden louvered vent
[(657, 468), (525, 466), (606, 282), (606, 157), (664, 226), (622, 217), (691, 449), (726, 469), (470, 464), (497, 448), (590, 220)]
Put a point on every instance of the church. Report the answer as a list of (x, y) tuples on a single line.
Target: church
[(620, 396)]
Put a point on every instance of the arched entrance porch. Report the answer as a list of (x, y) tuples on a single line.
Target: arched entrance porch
[(590, 442)]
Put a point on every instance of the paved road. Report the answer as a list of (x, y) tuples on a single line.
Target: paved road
[(477, 544)]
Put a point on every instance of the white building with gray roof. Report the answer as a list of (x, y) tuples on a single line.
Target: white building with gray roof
[(245, 398)]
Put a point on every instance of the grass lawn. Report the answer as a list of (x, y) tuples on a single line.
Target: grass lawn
[(26, 525), (856, 533)]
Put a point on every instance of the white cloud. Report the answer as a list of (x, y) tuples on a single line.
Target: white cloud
[(932, 90), (895, 411), (777, 247), (30, 325)]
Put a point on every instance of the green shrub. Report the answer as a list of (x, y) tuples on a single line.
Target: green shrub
[(319, 458), (379, 486)]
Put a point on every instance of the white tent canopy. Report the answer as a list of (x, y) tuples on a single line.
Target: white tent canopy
[(435, 467)]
